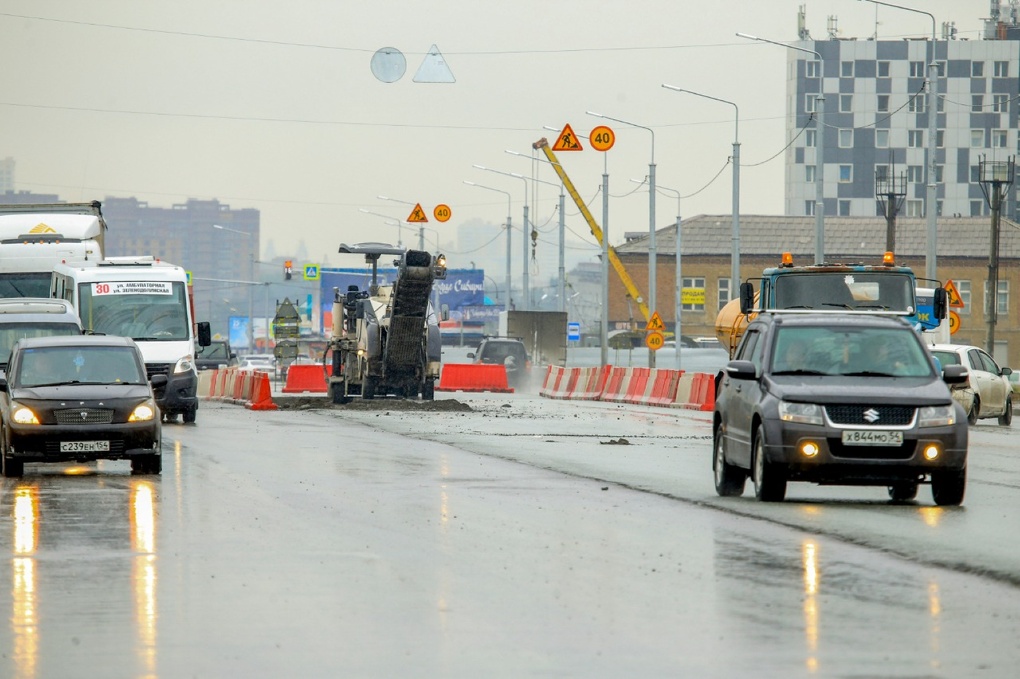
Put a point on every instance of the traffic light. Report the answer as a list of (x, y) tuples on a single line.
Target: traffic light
[(288, 269)]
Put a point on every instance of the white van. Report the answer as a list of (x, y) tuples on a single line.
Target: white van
[(147, 300), (35, 237)]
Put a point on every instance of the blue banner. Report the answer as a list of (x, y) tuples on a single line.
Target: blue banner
[(461, 288)]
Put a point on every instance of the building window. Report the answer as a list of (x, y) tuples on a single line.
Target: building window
[(846, 69), (846, 174), (694, 284), (882, 139), (844, 208), (1002, 298), (809, 207), (724, 292), (975, 208), (883, 69), (915, 208), (941, 106), (963, 288), (846, 103), (977, 139), (881, 172), (915, 139), (998, 139), (975, 176), (977, 69), (1000, 69), (812, 69), (883, 103), (916, 104), (809, 102), (846, 139), (1000, 103), (916, 69), (810, 138), (938, 173), (940, 138), (940, 69), (809, 173), (977, 103), (915, 174)]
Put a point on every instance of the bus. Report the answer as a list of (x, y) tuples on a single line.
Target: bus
[(147, 300), (36, 236)]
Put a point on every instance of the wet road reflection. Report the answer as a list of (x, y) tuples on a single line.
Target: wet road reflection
[(82, 545)]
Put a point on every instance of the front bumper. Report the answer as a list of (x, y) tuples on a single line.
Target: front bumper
[(842, 464), (41, 442), (180, 394)]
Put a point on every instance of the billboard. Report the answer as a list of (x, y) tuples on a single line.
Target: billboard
[(461, 288)]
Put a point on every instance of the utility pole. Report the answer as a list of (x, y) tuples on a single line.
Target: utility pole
[(891, 192), (995, 176)]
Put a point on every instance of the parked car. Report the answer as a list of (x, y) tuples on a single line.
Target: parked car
[(509, 352), (217, 355), (988, 392), (258, 363), (82, 398), (838, 399)]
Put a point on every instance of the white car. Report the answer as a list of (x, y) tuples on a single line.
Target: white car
[(258, 363), (987, 392)]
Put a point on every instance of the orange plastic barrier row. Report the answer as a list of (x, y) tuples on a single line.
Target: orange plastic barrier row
[(473, 377), (247, 388), (640, 386), (305, 378)]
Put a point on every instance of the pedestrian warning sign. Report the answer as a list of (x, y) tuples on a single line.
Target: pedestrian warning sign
[(953, 295), (417, 214), (655, 322), (567, 140)]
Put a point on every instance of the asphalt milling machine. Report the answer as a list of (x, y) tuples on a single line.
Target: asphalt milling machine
[(385, 340)]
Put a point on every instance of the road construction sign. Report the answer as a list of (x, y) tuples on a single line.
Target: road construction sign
[(954, 322), (655, 340), (955, 301), (602, 138), (442, 212), (417, 214), (655, 322), (567, 140)]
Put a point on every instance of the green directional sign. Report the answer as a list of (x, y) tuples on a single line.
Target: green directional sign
[(311, 272)]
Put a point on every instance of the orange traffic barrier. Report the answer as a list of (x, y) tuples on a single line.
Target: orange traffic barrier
[(261, 394), (473, 377), (664, 387), (618, 385), (636, 386), (708, 399), (305, 378), (553, 375), (567, 383), (683, 390), (702, 393), (591, 383)]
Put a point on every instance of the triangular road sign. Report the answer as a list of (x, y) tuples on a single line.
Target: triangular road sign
[(433, 69), (955, 300), (567, 140), (417, 214), (655, 322)]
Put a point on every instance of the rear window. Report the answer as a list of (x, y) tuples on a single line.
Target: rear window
[(12, 332)]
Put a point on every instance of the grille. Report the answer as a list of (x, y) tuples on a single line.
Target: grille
[(888, 416), (83, 416), (902, 452), (157, 369)]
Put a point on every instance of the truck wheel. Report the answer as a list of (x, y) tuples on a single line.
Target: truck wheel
[(769, 479), (948, 486), (190, 415), (368, 388), (729, 479), (428, 390)]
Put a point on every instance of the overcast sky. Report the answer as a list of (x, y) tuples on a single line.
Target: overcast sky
[(273, 105)]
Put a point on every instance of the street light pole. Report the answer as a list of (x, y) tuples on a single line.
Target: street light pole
[(251, 283), (509, 228), (819, 147), (526, 293), (735, 256), (931, 201), (652, 301), (389, 220)]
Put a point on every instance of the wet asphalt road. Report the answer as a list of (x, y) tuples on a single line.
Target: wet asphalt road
[(524, 537)]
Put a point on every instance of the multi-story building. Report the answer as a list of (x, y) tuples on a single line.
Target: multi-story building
[(876, 120)]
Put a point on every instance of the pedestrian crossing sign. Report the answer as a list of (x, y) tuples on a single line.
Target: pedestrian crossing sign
[(311, 272)]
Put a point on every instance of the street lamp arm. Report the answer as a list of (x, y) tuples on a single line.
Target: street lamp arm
[(736, 109), (627, 122), (781, 44), (909, 9)]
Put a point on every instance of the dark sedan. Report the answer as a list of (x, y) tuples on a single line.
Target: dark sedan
[(78, 398), (838, 399)]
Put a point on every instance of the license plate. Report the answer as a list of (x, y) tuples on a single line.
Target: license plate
[(872, 437), (84, 446)]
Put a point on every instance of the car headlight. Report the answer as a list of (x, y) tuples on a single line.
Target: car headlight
[(22, 415), (143, 412), (184, 364), (805, 413), (936, 416)]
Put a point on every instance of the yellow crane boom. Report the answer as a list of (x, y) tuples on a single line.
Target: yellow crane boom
[(596, 230)]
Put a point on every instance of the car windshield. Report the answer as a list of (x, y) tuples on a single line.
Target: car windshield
[(214, 350), (821, 350), (78, 365), (834, 291)]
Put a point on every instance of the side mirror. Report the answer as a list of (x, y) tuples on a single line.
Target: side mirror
[(1006, 372), (741, 370), (204, 334), (955, 374), (940, 303), (158, 381), (3, 384), (746, 298)]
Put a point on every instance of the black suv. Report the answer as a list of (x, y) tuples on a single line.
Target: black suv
[(837, 399), (508, 352), (217, 355)]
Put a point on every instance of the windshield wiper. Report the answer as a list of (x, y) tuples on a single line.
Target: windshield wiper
[(868, 373), (799, 372), (840, 305)]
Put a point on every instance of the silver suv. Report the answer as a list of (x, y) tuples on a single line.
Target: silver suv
[(509, 352), (22, 317)]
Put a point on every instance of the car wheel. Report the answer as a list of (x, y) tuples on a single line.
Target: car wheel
[(190, 415), (729, 479), (147, 464), (13, 468), (903, 492), (975, 408), (769, 480), (1006, 418), (948, 486)]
